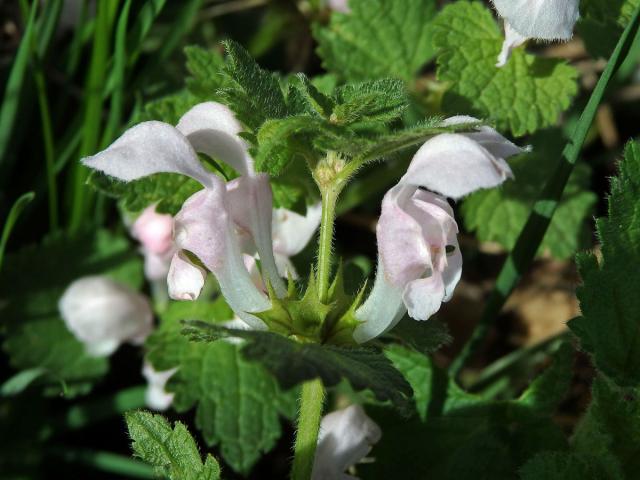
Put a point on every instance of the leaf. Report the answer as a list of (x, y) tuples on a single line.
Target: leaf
[(16, 210), (255, 95), (173, 452), (206, 67), (563, 466), (498, 215), (611, 427), (32, 282), (457, 435), (21, 381), (238, 404), (379, 101), (292, 362), (527, 94), (609, 328), (424, 337), (378, 39), (619, 11), (167, 190)]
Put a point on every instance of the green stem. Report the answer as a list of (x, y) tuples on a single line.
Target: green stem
[(329, 198), (309, 415), (545, 206)]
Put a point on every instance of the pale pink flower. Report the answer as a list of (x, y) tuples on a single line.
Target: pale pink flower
[(540, 19), (346, 437), (213, 221), (419, 259), (154, 231), (103, 314), (341, 6)]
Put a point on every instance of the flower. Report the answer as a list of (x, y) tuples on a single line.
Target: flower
[(341, 6), (103, 314), (419, 260), (291, 233), (216, 223), (155, 396), (345, 437), (154, 231), (542, 19)]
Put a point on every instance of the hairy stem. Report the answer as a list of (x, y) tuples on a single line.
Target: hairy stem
[(545, 206), (329, 198), (309, 414)]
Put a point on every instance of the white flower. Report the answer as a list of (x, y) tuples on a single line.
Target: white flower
[(346, 437), (156, 397), (341, 6), (541, 19), (216, 223), (103, 314), (419, 260)]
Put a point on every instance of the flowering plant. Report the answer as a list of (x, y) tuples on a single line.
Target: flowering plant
[(369, 257)]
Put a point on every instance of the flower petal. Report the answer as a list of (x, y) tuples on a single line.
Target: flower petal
[(544, 19), (292, 231), (154, 231), (148, 148), (512, 39), (382, 310), (184, 280), (213, 129), (102, 314), (156, 397), (250, 204), (454, 165), (402, 249), (489, 138), (423, 297), (204, 227), (346, 436)]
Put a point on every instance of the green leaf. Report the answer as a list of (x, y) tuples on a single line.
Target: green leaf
[(378, 39), (619, 11), (424, 337), (32, 282), (527, 94), (255, 95), (167, 190), (498, 215), (611, 426), (238, 404), (293, 363), (21, 381), (457, 435), (173, 452), (206, 67), (563, 466), (374, 101), (609, 328)]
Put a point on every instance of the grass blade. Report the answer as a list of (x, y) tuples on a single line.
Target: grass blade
[(11, 99), (14, 213)]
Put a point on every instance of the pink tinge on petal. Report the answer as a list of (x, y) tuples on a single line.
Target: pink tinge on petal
[(403, 252), (250, 204), (454, 165), (154, 231), (204, 228), (423, 297), (341, 6), (292, 231), (156, 266)]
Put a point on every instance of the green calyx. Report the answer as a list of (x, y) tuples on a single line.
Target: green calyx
[(307, 319)]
